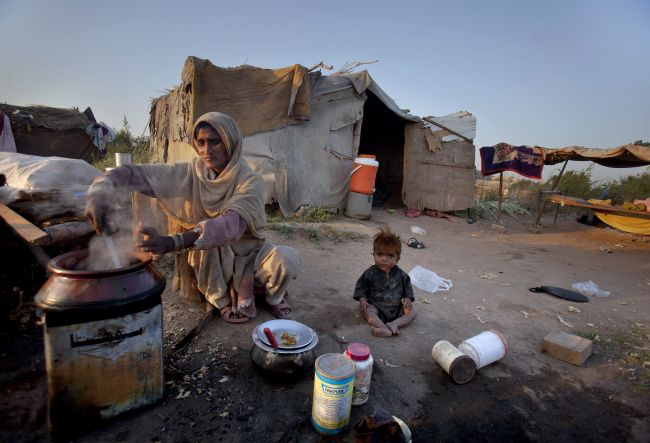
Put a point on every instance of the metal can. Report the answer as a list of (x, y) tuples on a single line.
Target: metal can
[(333, 387), (459, 366)]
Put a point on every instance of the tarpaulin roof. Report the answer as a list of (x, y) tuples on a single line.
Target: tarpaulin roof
[(626, 156), (56, 119), (262, 100)]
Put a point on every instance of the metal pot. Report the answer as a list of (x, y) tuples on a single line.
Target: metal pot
[(103, 341), (283, 363)]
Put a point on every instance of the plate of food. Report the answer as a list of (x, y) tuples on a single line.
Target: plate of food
[(289, 334)]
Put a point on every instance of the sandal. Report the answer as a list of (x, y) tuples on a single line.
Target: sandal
[(414, 243), (230, 317), (282, 310)]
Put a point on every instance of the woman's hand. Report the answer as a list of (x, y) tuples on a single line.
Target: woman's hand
[(96, 211), (154, 243)]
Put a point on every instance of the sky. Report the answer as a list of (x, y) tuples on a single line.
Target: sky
[(553, 73)]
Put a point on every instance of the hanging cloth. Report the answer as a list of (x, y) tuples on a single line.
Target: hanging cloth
[(523, 160), (7, 142)]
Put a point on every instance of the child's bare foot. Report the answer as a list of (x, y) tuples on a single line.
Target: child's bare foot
[(393, 329), (381, 332)]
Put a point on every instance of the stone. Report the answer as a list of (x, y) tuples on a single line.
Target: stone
[(567, 347)]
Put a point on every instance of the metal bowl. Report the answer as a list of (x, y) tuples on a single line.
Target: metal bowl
[(283, 364)]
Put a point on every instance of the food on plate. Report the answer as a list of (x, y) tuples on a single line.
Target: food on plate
[(288, 339)]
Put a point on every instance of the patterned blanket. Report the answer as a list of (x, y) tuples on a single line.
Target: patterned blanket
[(523, 160)]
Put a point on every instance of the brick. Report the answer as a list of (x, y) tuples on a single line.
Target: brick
[(567, 347)]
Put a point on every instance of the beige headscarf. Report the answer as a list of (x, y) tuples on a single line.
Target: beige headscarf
[(188, 194)]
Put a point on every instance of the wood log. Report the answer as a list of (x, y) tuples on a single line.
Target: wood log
[(68, 231)]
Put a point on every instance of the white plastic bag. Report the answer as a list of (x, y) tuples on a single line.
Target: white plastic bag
[(428, 280), (590, 288), (418, 230)]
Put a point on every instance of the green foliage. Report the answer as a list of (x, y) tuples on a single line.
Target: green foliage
[(575, 184), (125, 142), (313, 215), (488, 209), (630, 188), (306, 214)]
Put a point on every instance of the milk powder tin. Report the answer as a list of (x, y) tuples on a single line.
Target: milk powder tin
[(460, 366), (333, 387)]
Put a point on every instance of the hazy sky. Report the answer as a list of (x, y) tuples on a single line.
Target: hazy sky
[(552, 73)]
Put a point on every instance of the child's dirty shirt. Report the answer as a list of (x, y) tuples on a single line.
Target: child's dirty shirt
[(385, 292)]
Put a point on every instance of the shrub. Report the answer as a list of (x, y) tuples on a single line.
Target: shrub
[(137, 146), (630, 188)]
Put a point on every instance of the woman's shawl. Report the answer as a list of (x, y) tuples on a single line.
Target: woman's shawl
[(188, 196)]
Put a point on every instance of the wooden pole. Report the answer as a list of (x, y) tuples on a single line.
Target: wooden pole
[(559, 176), (426, 119), (500, 198), (541, 210)]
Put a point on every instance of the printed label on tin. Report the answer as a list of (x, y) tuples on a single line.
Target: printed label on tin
[(112, 338), (332, 404)]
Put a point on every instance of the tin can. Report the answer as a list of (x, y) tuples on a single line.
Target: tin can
[(459, 366), (333, 388), (485, 348)]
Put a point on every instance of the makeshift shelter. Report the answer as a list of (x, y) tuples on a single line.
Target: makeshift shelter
[(45, 131), (302, 131), (626, 156)]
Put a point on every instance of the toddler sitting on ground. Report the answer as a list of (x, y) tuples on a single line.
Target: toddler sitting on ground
[(384, 291)]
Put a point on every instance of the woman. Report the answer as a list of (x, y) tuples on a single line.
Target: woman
[(215, 204)]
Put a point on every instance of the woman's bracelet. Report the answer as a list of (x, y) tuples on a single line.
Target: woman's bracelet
[(175, 240), (179, 242)]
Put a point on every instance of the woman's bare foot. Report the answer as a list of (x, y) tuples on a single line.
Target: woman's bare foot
[(393, 328), (381, 332)]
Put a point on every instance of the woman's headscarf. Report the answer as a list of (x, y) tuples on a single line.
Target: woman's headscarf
[(188, 193), (227, 129)]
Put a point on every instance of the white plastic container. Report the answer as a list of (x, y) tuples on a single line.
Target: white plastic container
[(485, 348), (360, 355), (459, 366)]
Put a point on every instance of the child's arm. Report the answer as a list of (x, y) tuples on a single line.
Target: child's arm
[(362, 289)]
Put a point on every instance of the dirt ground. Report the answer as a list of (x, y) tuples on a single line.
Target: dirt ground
[(527, 396)]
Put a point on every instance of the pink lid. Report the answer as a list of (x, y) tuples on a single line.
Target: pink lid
[(358, 351)]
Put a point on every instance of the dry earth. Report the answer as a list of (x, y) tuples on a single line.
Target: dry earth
[(527, 396)]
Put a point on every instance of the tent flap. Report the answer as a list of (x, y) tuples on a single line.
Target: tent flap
[(258, 99), (626, 156)]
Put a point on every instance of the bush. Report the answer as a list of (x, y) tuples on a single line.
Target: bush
[(576, 184), (125, 142), (630, 188)]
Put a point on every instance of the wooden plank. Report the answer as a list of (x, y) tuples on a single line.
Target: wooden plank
[(578, 202), (30, 233)]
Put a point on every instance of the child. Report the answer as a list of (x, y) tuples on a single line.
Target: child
[(384, 291)]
